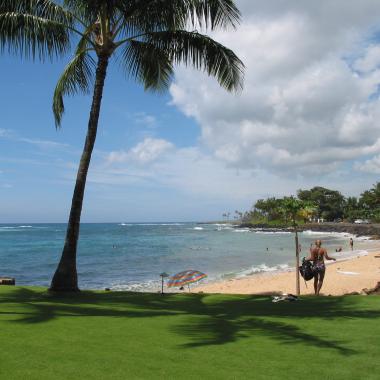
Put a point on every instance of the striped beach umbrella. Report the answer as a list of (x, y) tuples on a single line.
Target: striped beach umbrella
[(186, 277)]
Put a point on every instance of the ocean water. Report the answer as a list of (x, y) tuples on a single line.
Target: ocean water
[(130, 256)]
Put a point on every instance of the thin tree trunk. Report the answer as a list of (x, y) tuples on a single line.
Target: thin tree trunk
[(297, 262), (65, 277)]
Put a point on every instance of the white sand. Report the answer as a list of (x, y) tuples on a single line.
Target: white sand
[(341, 278)]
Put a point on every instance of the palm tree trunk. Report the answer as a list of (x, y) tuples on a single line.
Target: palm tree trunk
[(65, 277), (297, 262)]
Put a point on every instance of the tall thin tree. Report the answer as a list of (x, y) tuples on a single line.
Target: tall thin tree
[(290, 208), (148, 37)]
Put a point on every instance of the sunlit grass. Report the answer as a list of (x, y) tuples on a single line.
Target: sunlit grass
[(120, 335)]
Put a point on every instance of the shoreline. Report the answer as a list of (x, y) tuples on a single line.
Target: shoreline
[(358, 230), (345, 276)]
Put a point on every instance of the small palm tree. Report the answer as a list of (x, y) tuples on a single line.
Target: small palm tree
[(148, 37), (291, 209)]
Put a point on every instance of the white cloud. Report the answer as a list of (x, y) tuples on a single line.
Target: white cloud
[(304, 107), (145, 119), (144, 152), (369, 166), (197, 174), (5, 132), (43, 143), (370, 61)]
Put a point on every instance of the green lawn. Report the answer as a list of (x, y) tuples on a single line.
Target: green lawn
[(120, 335)]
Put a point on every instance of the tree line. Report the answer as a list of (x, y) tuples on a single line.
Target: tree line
[(320, 203)]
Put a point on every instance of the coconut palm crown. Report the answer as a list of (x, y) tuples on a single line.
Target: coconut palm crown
[(147, 37)]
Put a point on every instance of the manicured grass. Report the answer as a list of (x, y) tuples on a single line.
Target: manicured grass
[(112, 335)]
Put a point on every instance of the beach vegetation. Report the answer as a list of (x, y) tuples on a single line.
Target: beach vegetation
[(329, 203), (369, 203), (147, 38), (326, 205)]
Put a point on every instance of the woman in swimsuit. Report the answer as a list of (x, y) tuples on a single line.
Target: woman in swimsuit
[(317, 255)]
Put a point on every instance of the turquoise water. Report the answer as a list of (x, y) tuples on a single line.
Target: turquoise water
[(131, 256)]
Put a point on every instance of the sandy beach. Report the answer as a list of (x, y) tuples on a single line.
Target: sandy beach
[(341, 277)]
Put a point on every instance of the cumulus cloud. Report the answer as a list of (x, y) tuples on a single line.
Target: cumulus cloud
[(196, 173), (310, 101), (185, 170), (144, 152)]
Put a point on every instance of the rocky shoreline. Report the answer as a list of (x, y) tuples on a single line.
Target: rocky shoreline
[(371, 230)]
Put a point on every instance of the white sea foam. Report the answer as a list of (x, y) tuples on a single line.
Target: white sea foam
[(151, 224), (137, 286), (263, 268), (227, 228), (362, 238), (145, 286), (243, 230), (272, 232), (337, 235), (198, 228), (14, 228), (334, 234)]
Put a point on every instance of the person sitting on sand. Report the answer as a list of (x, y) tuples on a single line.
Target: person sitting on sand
[(317, 255)]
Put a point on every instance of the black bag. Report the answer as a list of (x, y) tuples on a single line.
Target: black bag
[(306, 270)]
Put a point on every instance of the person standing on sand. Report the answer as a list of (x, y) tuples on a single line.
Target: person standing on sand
[(317, 255), (352, 244)]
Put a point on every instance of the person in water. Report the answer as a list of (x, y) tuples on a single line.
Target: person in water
[(351, 244), (317, 256)]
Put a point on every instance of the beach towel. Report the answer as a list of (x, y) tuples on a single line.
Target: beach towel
[(285, 297), (349, 273)]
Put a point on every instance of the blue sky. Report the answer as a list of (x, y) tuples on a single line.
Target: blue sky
[(307, 116), (34, 155)]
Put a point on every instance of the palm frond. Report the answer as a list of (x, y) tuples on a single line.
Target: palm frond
[(156, 15), (215, 13), (90, 10), (47, 9), (85, 10), (148, 64), (30, 35), (201, 52), (76, 77), (142, 16)]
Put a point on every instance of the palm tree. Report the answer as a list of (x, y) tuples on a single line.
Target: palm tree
[(147, 37), (291, 209)]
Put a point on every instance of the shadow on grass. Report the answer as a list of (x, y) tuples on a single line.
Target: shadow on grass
[(216, 331), (211, 319)]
